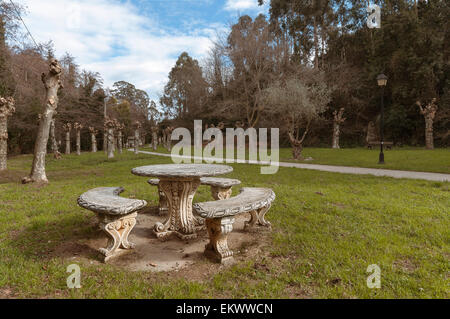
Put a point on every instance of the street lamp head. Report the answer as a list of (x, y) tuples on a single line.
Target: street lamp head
[(382, 79)]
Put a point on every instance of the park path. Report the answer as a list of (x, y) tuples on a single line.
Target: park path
[(439, 177)]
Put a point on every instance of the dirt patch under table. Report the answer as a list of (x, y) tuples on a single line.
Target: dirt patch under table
[(174, 254)]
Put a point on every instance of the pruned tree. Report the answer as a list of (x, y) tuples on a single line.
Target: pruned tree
[(77, 126), (297, 102), (67, 128), (53, 143), (137, 127), (168, 135), (155, 131), (110, 125), (338, 119), (119, 128), (6, 109), (52, 83), (428, 112), (93, 133)]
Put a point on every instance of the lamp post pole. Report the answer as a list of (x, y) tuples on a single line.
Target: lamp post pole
[(381, 158), (382, 81)]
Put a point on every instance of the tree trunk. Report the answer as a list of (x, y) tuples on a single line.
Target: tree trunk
[(336, 132), (297, 151), (68, 142), (429, 141), (105, 141), (78, 142), (6, 109), (155, 141), (429, 112), (93, 143), (110, 142), (3, 142), (119, 141), (316, 45), (338, 119), (78, 127), (52, 84), (136, 141), (53, 143)]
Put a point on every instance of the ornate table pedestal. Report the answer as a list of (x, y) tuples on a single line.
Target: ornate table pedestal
[(179, 193)]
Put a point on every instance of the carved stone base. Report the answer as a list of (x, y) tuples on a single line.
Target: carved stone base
[(181, 222), (257, 218), (220, 193), (117, 228), (163, 205), (217, 248)]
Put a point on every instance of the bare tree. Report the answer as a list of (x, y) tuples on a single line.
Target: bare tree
[(298, 103), (6, 109), (338, 119), (429, 112), (52, 83)]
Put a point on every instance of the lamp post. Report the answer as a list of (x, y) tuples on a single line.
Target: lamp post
[(382, 81)]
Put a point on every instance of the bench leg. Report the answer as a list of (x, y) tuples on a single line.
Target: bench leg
[(163, 205), (217, 248), (219, 193), (257, 217), (118, 229)]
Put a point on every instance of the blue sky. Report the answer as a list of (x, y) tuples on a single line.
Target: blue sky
[(133, 40)]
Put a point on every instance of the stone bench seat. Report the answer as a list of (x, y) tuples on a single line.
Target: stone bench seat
[(219, 216), (221, 188), (116, 215)]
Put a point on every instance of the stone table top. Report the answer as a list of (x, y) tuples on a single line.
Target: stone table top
[(182, 170)]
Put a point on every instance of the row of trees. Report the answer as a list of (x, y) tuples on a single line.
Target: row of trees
[(309, 60), (82, 97)]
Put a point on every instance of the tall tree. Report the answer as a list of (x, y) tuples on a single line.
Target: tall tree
[(185, 93), (52, 83)]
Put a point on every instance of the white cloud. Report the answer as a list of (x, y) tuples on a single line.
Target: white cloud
[(240, 5), (114, 39)]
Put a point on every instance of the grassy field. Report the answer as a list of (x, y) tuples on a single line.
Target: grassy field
[(405, 158), (327, 229)]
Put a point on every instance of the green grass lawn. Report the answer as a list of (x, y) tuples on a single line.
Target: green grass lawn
[(327, 229), (405, 158)]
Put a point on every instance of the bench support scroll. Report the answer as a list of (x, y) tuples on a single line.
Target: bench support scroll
[(218, 230)]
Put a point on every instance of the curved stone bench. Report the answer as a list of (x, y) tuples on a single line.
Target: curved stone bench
[(221, 188), (219, 216), (116, 215)]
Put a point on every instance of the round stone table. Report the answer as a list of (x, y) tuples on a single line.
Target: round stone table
[(179, 182)]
